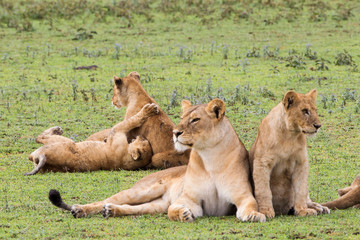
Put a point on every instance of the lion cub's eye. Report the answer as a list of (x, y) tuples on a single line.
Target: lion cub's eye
[(306, 112), (195, 120)]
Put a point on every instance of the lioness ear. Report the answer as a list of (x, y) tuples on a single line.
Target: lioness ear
[(117, 80), (185, 104), (216, 108), (289, 99), (135, 75), (312, 94)]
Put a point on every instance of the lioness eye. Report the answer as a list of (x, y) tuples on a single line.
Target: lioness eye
[(306, 112), (195, 120)]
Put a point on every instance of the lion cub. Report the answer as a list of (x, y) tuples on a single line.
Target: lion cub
[(63, 154), (213, 184), (278, 157)]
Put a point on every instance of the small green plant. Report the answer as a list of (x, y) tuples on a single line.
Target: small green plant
[(117, 51), (254, 52), (321, 64), (225, 51), (83, 34), (309, 53), (295, 61), (344, 58), (74, 89)]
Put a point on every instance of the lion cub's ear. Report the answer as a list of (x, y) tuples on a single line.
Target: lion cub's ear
[(290, 98), (135, 75), (117, 80), (135, 153), (216, 108), (312, 94), (185, 104)]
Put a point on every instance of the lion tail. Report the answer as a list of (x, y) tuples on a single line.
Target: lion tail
[(55, 198)]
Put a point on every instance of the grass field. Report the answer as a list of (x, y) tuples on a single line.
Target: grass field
[(248, 53)]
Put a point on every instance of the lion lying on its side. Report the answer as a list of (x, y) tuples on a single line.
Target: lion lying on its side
[(214, 183), (66, 155), (279, 158), (348, 197)]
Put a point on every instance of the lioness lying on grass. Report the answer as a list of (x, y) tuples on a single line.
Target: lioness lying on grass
[(215, 183), (64, 154), (348, 197), (278, 157)]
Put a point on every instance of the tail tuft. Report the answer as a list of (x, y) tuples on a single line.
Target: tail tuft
[(55, 198)]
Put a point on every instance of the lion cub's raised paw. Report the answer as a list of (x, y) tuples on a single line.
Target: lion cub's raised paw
[(53, 131), (150, 110)]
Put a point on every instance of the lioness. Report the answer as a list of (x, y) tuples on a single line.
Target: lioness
[(348, 197), (129, 93), (214, 183), (278, 157), (115, 153)]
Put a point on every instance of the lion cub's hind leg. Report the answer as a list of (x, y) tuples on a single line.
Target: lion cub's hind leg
[(52, 135), (39, 162)]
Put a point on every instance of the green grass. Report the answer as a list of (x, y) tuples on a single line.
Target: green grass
[(180, 49)]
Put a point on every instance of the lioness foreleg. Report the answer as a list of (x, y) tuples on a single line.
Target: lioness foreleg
[(156, 206), (185, 209)]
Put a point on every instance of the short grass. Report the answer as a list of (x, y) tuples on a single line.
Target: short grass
[(247, 53)]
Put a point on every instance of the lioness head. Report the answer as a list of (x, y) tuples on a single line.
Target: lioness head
[(200, 125), (121, 91), (301, 115), (140, 149)]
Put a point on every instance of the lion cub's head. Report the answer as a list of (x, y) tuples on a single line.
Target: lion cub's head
[(122, 89), (140, 149), (301, 115), (200, 125)]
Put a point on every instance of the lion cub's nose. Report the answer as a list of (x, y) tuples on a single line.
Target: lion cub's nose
[(177, 133), (317, 126)]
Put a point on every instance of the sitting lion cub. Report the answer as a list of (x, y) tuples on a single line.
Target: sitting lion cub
[(214, 183), (278, 157), (66, 155)]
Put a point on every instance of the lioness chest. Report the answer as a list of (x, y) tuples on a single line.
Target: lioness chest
[(212, 196)]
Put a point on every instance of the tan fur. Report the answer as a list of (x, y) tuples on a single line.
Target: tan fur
[(278, 157), (215, 181), (129, 93), (348, 197), (63, 154)]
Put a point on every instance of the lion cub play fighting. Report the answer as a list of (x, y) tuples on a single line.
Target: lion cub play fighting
[(214, 183), (129, 93), (63, 154), (278, 157)]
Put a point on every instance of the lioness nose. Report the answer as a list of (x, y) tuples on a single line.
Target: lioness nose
[(177, 133), (317, 126)]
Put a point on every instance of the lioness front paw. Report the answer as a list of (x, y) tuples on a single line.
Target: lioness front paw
[(253, 216), (180, 213), (108, 211), (267, 211), (77, 212), (305, 212), (150, 109), (318, 208)]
